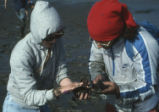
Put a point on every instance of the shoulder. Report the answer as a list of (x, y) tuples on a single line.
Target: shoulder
[(21, 52), (144, 44), (144, 39)]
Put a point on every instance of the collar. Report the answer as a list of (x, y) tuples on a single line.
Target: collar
[(115, 49)]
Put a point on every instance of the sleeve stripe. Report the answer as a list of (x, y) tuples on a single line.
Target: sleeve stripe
[(135, 93), (141, 48)]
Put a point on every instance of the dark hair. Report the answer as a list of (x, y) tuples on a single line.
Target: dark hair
[(130, 33)]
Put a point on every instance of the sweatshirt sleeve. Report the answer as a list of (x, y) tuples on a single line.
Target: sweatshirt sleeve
[(145, 68), (22, 72), (61, 65), (142, 87), (96, 65)]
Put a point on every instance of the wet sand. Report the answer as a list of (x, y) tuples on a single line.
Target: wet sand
[(76, 44)]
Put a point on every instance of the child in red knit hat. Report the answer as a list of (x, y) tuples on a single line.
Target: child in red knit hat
[(125, 52)]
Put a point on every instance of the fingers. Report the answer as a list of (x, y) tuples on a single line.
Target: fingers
[(80, 90), (77, 84), (83, 96), (81, 93), (107, 90), (107, 83), (112, 88), (70, 87)]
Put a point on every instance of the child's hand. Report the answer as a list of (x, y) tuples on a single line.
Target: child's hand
[(112, 88), (67, 88)]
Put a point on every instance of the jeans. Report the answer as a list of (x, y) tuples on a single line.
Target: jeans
[(11, 106)]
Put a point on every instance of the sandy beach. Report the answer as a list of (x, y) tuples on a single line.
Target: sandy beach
[(76, 42)]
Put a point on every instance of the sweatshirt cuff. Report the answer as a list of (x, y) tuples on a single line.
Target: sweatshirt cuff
[(49, 95), (94, 75)]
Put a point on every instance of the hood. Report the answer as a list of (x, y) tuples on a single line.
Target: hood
[(44, 21)]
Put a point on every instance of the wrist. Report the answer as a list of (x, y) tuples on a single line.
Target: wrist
[(65, 81), (117, 91), (57, 92)]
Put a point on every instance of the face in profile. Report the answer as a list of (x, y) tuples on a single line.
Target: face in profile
[(51, 39), (104, 44)]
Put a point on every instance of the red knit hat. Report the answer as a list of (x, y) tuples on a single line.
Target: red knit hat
[(107, 19)]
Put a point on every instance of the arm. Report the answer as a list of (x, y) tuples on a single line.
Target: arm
[(96, 64), (61, 65), (145, 71), (62, 79), (22, 70), (23, 74), (139, 89)]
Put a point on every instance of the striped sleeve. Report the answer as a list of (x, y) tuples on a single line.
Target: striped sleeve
[(143, 86)]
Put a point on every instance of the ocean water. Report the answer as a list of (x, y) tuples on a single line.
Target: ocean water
[(141, 9)]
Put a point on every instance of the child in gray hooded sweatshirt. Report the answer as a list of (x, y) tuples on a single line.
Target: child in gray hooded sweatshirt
[(37, 62)]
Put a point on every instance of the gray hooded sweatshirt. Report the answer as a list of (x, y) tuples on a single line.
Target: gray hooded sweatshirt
[(30, 82)]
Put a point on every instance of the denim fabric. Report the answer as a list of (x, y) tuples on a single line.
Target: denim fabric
[(147, 105), (11, 106)]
